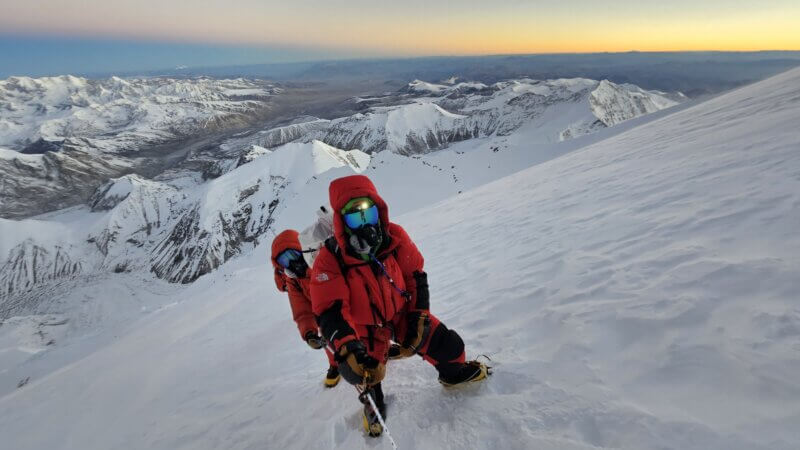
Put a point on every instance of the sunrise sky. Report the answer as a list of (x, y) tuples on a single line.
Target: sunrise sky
[(256, 31)]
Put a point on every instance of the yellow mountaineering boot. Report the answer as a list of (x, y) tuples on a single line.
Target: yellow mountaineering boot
[(370, 420), (468, 372), (333, 377)]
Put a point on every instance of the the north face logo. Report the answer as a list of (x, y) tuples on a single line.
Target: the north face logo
[(322, 277)]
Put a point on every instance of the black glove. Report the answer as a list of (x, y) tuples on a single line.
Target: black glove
[(356, 365), (423, 302), (333, 326), (314, 341), (419, 325)]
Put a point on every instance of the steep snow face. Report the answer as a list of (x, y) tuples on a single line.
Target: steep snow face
[(425, 116), (117, 113), (639, 293), (275, 137), (612, 103), (34, 253), (29, 265), (115, 191), (12, 155), (447, 88), (33, 184), (137, 211), (234, 210), (506, 106), (425, 87), (405, 129)]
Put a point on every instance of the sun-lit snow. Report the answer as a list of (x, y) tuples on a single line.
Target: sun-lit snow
[(12, 155)]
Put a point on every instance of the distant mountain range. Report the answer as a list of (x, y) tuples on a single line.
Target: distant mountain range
[(75, 132), (79, 143), (693, 73), (425, 116)]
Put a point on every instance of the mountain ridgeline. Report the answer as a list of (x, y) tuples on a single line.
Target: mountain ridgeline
[(158, 175)]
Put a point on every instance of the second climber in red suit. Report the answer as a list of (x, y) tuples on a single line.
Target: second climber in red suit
[(292, 277)]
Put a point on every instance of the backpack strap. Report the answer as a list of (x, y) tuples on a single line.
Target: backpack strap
[(294, 283), (333, 247)]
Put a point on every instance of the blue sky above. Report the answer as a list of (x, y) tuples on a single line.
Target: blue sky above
[(43, 55)]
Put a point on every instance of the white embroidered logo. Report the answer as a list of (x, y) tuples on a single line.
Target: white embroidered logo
[(322, 277)]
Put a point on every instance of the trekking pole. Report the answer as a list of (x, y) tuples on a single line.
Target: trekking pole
[(366, 393)]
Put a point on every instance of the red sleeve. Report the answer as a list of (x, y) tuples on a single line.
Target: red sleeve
[(408, 256), (301, 309), (328, 286), (280, 281)]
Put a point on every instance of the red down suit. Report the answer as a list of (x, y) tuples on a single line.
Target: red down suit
[(358, 300), (299, 289)]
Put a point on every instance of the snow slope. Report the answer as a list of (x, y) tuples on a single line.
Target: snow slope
[(640, 293)]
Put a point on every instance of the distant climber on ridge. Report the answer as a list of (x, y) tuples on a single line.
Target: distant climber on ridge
[(368, 287), (292, 277)]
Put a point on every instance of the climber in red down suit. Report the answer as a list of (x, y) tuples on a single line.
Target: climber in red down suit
[(368, 287), (292, 277)]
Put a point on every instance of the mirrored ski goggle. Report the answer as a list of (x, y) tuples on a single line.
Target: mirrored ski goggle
[(287, 256), (358, 219)]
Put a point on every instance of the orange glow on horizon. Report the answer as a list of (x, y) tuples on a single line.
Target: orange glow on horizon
[(513, 29)]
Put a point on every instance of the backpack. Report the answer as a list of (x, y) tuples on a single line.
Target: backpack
[(313, 238)]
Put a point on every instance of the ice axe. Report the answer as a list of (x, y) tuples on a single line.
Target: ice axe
[(363, 392)]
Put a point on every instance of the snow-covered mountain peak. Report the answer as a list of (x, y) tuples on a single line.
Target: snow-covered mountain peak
[(423, 86), (177, 230), (303, 161), (115, 191), (58, 108), (613, 103), (232, 212), (88, 131), (405, 122), (288, 167), (427, 116)]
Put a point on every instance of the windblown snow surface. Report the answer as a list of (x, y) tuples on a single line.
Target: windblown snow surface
[(639, 293)]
